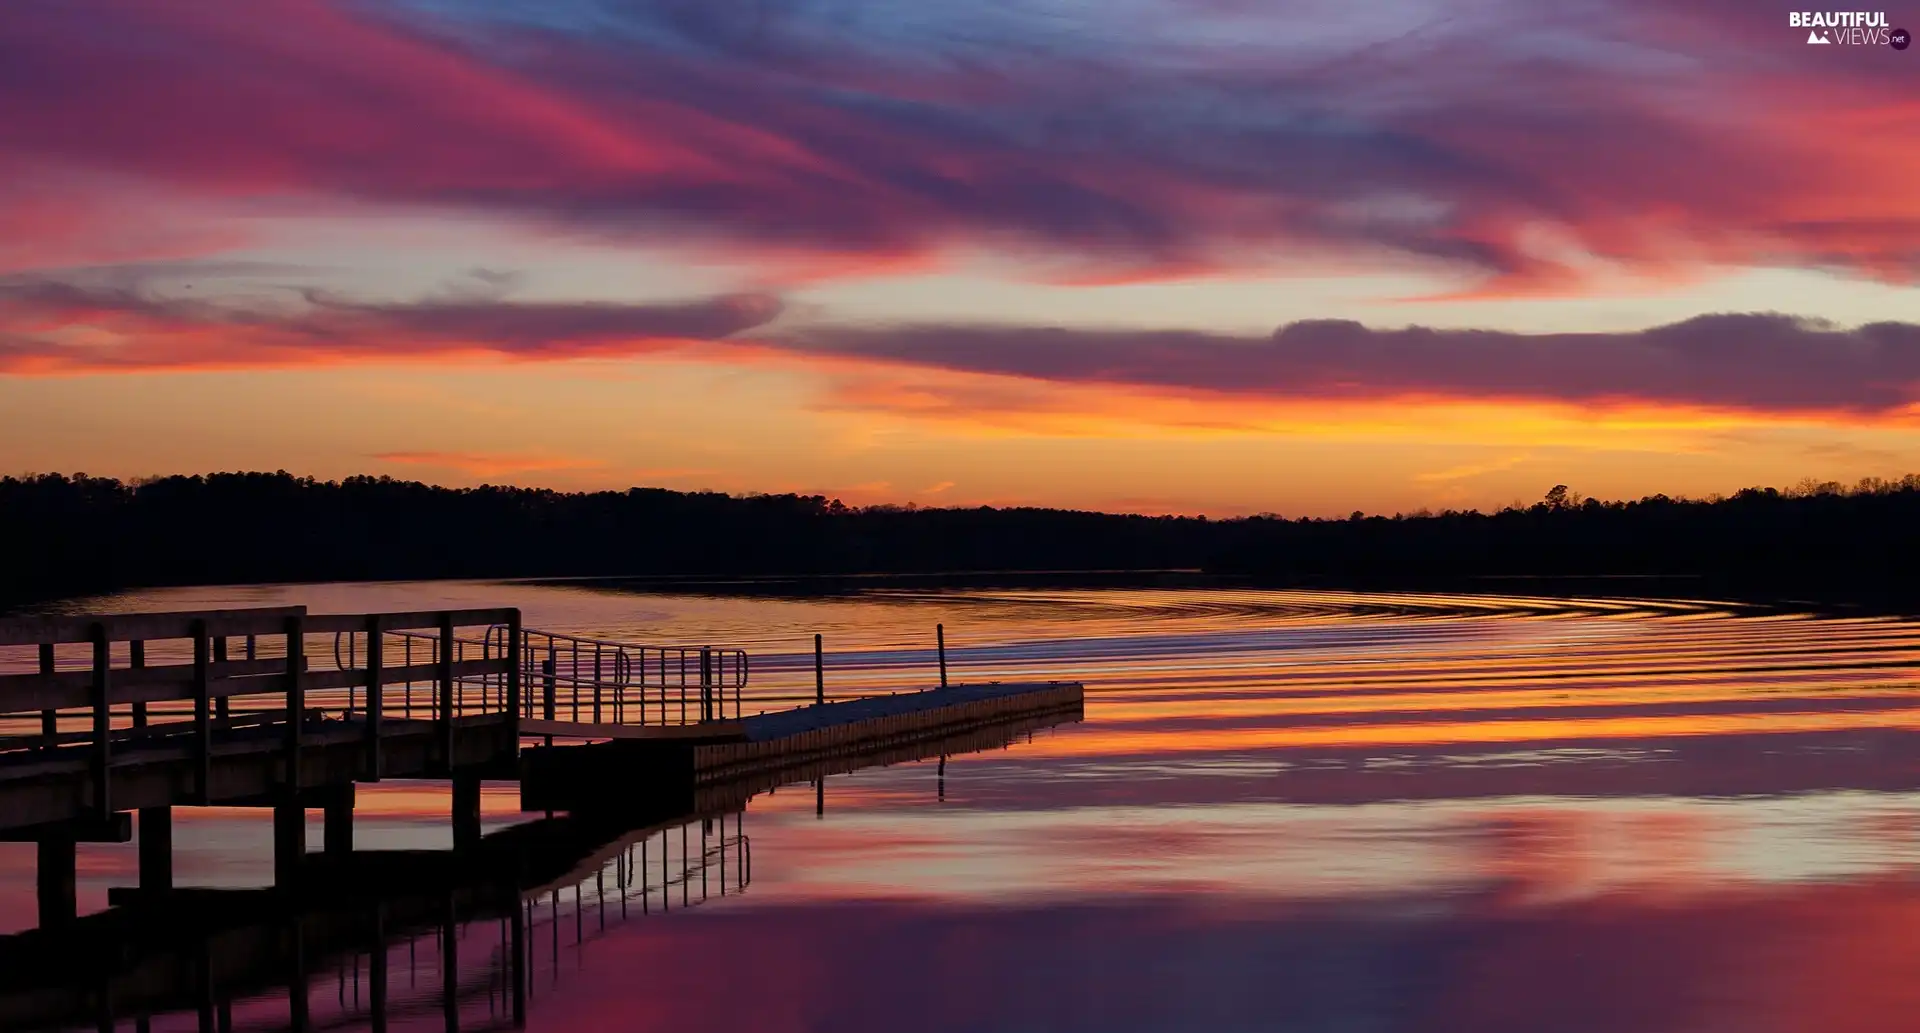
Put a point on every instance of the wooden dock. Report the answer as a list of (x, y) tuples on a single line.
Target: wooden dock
[(599, 776), (287, 710)]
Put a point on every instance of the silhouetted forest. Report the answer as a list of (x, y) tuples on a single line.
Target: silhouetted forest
[(71, 535)]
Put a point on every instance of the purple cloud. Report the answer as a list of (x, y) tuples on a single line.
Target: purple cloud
[(1179, 135), (1766, 362)]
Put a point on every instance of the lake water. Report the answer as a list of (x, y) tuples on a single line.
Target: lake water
[(1283, 810)]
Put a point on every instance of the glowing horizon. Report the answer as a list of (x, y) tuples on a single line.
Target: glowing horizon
[(1177, 258)]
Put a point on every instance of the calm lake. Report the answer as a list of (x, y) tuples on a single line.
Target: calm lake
[(1283, 810)]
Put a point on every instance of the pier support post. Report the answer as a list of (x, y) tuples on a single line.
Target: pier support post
[(289, 843), (466, 809), (59, 900), (337, 822), (819, 674), (156, 849)]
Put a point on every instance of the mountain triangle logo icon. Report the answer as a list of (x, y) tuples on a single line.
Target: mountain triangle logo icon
[(1816, 36)]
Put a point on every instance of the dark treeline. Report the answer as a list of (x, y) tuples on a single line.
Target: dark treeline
[(71, 535)]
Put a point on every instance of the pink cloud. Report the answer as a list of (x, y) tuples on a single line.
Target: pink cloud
[(1662, 140)]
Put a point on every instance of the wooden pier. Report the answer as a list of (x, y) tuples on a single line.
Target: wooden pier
[(598, 777), (195, 950), (278, 708)]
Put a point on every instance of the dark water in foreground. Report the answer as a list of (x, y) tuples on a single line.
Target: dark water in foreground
[(1283, 811)]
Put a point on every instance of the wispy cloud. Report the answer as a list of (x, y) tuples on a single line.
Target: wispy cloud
[(488, 464), (1758, 361), (1514, 141), (1754, 362), (1471, 470), (93, 323)]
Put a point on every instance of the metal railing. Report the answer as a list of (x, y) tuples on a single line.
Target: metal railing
[(578, 679)]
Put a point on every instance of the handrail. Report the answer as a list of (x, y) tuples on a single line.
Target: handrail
[(125, 702), (605, 681)]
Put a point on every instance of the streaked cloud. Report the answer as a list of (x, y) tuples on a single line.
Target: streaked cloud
[(487, 464), (1753, 362), (97, 323), (1756, 361), (1535, 149)]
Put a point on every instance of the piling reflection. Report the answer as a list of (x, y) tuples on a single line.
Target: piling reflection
[(484, 970)]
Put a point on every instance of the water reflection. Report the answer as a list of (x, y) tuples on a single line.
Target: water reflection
[(1311, 811), (468, 939)]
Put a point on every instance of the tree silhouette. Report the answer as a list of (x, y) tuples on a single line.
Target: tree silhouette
[(78, 534)]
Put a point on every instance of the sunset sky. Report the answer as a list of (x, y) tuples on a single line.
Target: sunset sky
[(1219, 256)]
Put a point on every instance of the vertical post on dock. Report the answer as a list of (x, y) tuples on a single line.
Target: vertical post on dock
[(102, 726), (513, 679), (706, 683), (466, 810), (548, 669), (336, 822), (446, 690), (940, 637), (819, 674), (202, 716), (54, 880), (137, 658), (222, 706), (289, 842), (296, 699), (156, 849), (375, 691), (49, 719)]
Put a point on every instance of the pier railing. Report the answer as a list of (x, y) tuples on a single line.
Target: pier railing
[(578, 679), (99, 687)]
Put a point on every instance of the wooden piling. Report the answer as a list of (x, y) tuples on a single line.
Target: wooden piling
[(296, 699), (102, 770), (446, 690), (222, 707), (202, 717), (514, 633), (940, 637), (156, 849), (289, 843), (137, 659), (49, 719), (466, 809), (337, 822), (375, 697), (54, 881)]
